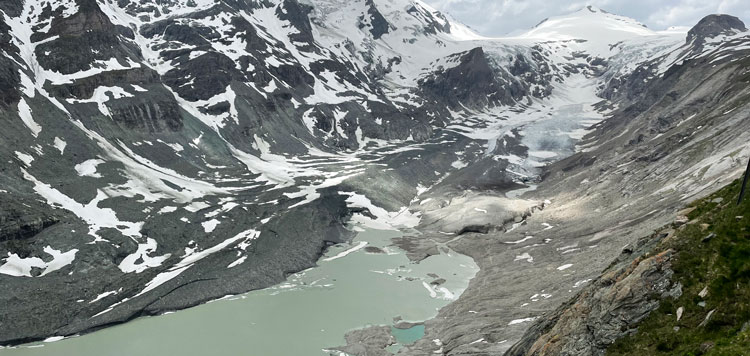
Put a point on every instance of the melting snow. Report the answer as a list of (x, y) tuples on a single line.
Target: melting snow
[(520, 321), (238, 262), (194, 257), (385, 220), (21, 267), (359, 246), (210, 225), (564, 267), (26, 159), (88, 168), (130, 263), (60, 145), (25, 112), (102, 95)]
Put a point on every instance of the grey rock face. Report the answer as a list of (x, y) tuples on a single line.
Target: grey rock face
[(375, 21), (297, 15), (436, 22), (471, 82), (9, 77), (158, 106), (87, 28), (714, 25), (21, 222), (154, 115), (607, 309), (210, 73)]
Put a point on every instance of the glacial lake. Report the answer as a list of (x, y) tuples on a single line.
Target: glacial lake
[(311, 311)]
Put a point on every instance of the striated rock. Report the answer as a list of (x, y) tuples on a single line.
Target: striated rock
[(604, 311), (149, 116), (84, 88)]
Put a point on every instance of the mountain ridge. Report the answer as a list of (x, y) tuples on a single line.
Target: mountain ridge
[(192, 138)]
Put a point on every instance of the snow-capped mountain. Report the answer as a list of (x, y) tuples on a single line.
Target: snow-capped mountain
[(163, 154)]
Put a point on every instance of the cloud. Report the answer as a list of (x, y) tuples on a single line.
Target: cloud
[(499, 17)]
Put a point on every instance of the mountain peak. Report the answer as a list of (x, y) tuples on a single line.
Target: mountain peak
[(715, 25), (592, 9), (597, 27)]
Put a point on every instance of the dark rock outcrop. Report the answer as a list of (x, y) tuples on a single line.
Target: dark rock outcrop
[(20, 222), (88, 28), (202, 77), (714, 25), (297, 14), (378, 25), (156, 115), (472, 82), (9, 77)]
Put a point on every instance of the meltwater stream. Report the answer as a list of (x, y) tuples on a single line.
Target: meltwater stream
[(350, 289)]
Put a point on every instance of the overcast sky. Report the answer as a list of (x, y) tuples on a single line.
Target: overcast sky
[(499, 17)]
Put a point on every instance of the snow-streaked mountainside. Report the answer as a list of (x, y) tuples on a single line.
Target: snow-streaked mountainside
[(160, 154)]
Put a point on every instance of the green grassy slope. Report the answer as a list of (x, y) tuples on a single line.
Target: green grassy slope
[(720, 264)]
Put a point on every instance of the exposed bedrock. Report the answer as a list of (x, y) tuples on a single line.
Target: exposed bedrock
[(472, 82), (607, 309), (288, 244), (714, 25)]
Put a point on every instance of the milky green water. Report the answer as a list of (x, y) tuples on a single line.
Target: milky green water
[(311, 311), (408, 336)]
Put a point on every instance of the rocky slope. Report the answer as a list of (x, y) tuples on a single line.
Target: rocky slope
[(159, 155), (605, 310), (682, 294), (162, 155), (677, 131)]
